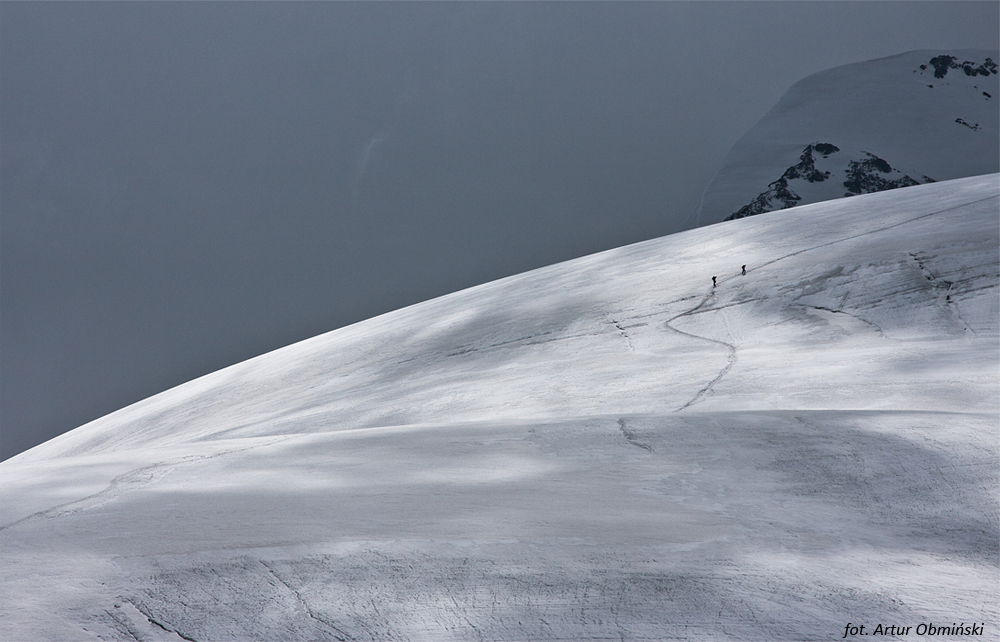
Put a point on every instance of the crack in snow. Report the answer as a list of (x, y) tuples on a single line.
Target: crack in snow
[(526, 340), (624, 334), (875, 231), (877, 327), (338, 633), (160, 625), (942, 284), (630, 436)]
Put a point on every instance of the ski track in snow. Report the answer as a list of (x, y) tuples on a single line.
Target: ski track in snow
[(130, 480), (869, 232), (731, 357), (627, 521)]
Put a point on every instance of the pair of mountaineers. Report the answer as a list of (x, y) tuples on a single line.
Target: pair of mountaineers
[(744, 274)]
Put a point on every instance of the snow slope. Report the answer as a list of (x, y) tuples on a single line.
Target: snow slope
[(881, 124), (608, 448)]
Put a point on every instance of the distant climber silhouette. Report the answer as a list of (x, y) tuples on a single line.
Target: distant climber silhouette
[(713, 281), (744, 270)]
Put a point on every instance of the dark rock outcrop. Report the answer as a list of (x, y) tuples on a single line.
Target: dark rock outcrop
[(942, 64), (973, 126), (779, 193), (863, 175)]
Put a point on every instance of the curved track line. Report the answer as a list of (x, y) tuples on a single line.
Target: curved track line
[(135, 475), (732, 348), (730, 358)]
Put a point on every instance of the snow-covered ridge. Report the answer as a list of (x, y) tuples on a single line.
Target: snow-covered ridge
[(895, 122), (357, 365), (607, 448)]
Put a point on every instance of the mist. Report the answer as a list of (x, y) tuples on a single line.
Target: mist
[(187, 185)]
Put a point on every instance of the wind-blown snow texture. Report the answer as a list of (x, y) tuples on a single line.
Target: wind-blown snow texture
[(608, 448), (862, 128)]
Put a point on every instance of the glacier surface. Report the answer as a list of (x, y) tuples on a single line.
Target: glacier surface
[(607, 448)]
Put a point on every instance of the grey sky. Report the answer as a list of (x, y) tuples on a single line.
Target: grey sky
[(187, 185)]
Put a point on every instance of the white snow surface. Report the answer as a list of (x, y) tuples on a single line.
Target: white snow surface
[(922, 126), (604, 449)]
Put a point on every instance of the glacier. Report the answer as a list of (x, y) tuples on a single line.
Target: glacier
[(606, 448)]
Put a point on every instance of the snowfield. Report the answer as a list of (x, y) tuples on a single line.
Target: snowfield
[(604, 449)]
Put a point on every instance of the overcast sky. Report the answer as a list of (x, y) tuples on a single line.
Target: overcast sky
[(187, 185)]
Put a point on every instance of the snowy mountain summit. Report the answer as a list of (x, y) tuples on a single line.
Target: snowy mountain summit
[(916, 118)]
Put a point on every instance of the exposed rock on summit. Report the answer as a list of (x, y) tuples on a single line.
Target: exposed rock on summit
[(866, 173), (863, 176), (942, 64)]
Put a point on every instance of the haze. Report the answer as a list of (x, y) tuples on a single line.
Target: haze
[(184, 186)]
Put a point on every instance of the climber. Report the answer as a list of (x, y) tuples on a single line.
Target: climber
[(744, 270), (713, 281)]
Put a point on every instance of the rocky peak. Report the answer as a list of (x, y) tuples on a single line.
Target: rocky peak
[(859, 172)]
